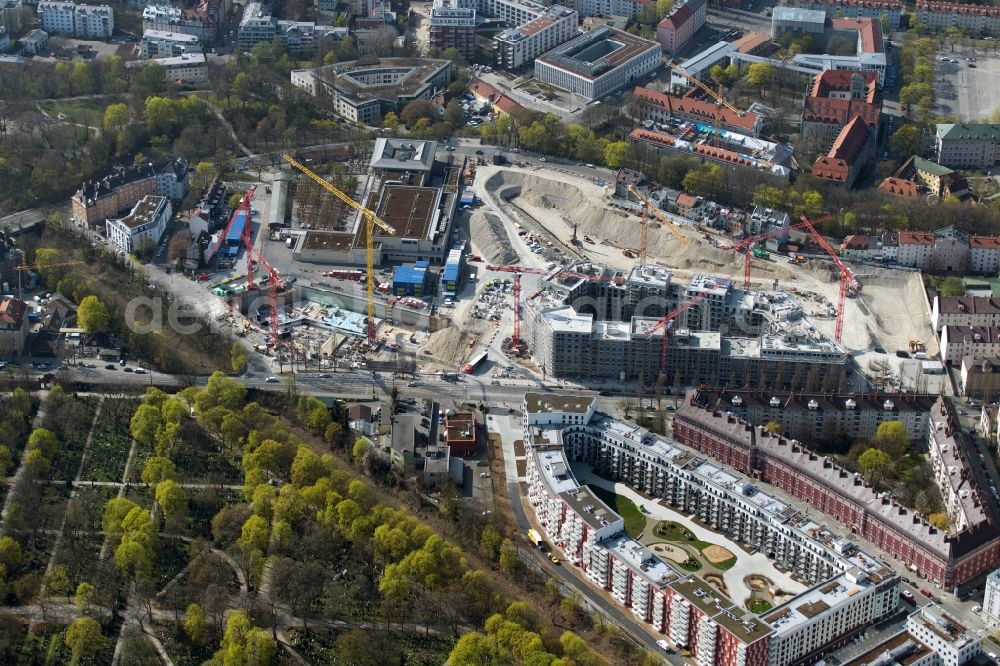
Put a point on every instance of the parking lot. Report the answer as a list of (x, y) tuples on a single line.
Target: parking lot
[(967, 90)]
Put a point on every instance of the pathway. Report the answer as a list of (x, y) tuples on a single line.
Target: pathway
[(746, 564), (19, 474)]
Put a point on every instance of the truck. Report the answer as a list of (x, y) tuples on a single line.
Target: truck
[(535, 538), (476, 361), (796, 258)]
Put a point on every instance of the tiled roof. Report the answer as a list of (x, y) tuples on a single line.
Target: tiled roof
[(639, 134), (12, 311), (986, 242), (686, 200), (968, 305), (898, 187), (870, 31), (915, 238), (855, 242), (677, 19), (957, 8), (696, 109), (840, 80)]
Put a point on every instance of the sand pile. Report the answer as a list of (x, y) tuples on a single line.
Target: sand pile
[(450, 346)]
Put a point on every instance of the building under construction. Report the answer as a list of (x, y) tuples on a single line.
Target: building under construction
[(606, 326)]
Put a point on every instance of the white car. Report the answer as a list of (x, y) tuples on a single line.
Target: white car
[(662, 644), (271, 380), (141, 371)]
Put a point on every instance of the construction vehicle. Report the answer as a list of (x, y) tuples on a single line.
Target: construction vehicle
[(916, 346), (761, 253), (371, 221), (660, 215)]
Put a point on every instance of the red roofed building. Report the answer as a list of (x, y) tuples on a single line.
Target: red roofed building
[(676, 30), (661, 108), (836, 97), (850, 152), (972, 19), (899, 187), (13, 325), (485, 92)]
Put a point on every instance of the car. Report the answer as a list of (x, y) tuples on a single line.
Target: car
[(141, 371), (110, 366), (927, 593), (271, 380), (589, 165), (484, 475), (203, 277), (127, 369), (542, 159), (553, 559), (908, 595), (324, 375), (482, 463), (413, 383), (479, 152), (450, 149), (977, 608)]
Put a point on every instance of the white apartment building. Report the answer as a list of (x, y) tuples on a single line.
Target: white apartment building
[(143, 226), (850, 589), (257, 25), (167, 44), (629, 8), (965, 311), (187, 68), (991, 601), (173, 19), (83, 21), (945, 635), (967, 145), (516, 48), (960, 341), (511, 12), (874, 9), (972, 19)]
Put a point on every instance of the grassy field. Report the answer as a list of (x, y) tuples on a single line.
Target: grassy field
[(89, 112), (635, 522), (759, 605)]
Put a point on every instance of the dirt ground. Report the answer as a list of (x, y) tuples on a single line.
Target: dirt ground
[(716, 554), (891, 309)]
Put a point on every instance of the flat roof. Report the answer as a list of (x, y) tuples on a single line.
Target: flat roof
[(558, 402), (595, 53), (351, 79), (326, 240), (902, 650), (409, 210), (143, 211)]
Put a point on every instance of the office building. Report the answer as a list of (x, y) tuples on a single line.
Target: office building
[(185, 69), (164, 44), (142, 228), (954, 644), (599, 62), (517, 48), (890, 10), (365, 90)]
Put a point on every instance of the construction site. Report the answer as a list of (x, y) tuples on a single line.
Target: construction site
[(561, 255)]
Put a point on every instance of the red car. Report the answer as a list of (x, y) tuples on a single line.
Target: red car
[(203, 277)]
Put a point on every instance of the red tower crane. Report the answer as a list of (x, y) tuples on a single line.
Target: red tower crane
[(747, 242), (847, 279), (665, 322), (273, 281), (247, 234)]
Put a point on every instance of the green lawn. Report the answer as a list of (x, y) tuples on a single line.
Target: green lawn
[(759, 606), (635, 521), (725, 565), (677, 533), (89, 112)]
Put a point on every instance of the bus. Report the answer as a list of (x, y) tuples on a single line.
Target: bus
[(535, 538), (475, 362)]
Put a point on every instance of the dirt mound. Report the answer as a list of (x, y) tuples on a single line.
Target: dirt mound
[(449, 346), (491, 240)]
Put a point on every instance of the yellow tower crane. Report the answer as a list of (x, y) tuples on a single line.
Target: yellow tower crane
[(371, 221), (660, 215), (718, 96)]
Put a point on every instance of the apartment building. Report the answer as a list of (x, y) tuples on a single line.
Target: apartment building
[(599, 62), (980, 377), (958, 342), (517, 48), (954, 643), (83, 21), (186, 69), (837, 97), (967, 145), (649, 104), (890, 10), (964, 311), (949, 558), (511, 12), (453, 27), (627, 8), (850, 589), (676, 30), (34, 41), (819, 417), (4, 38), (124, 186), (971, 19), (257, 25), (991, 599), (202, 21), (142, 228), (165, 44), (756, 158), (949, 249)]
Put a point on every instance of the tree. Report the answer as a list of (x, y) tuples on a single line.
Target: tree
[(472, 649), (359, 450), (509, 561), (768, 196), (59, 582), (145, 422), (760, 74), (84, 639), (84, 597), (663, 8), (43, 440), (894, 431), (453, 55), (237, 358), (906, 141), (952, 286), (773, 427), (205, 173), (114, 514), (873, 462), (490, 540), (11, 556), (173, 500), (116, 118), (418, 109), (724, 76), (158, 469), (92, 315), (390, 120), (357, 647), (194, 624), (615, 153), (255, 533)]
